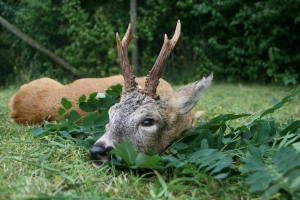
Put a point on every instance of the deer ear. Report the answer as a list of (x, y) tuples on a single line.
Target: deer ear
[(188, 95)]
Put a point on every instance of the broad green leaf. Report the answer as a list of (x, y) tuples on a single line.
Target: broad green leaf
[(172, 162), (75, 115), (179, 145), (195, 157), (226, 117), (126, 151), (112, 93), (151, 152), (247, 142), (80, 136), (48, 126), (168, 158), (238, 143), (295, 184), (37, 131), (263, 135), (220, 138), (284, 140), (95, 102), (291, 128), (286, 159), (255, 152), (102, 119), (105, 103), (117, 88), (89, 120), (204, 144), (271, 190), (59, 126), (271, 110), (66, 134), (283, 171), (246, 134), (191, 146), (291, 140), (188, 171), (68, 117), (226, 140), (208, 136), (296, 146), (61, 111), (221, 176), (74, 128), (210, 159), (259, 180), (148, 162), (220, 164), (81, 99), (66, 103), (181, 156), (252, 164), (219, 121), (93, 95), (274, 101), (254, 138), (87, 107), (85, 143)]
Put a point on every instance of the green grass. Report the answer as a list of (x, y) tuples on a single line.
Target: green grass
[(228, 98), (53, 168)]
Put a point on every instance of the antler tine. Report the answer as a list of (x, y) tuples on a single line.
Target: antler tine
[(157, 69), (129, 79)]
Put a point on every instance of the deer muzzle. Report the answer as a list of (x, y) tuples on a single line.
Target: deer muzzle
[(100, 154)]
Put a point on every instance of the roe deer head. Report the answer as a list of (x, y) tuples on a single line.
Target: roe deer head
[(148, 120)]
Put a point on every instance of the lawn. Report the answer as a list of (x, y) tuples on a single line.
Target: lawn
[(53, 168)]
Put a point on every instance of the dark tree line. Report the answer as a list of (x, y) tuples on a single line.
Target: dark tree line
[(240, 41)]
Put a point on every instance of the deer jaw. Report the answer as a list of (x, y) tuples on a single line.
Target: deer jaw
[(148, 123)]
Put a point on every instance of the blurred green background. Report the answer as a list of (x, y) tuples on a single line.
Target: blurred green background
[(241, 41)]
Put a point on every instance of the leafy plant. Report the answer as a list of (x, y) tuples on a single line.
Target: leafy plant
[(279, 170)]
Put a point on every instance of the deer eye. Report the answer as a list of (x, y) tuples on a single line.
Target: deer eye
[(148, 122)]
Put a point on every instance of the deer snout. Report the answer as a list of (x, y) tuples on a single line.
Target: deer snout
[(99, 154)]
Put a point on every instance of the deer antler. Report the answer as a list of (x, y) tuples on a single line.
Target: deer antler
[(157, 69), (129, 79)]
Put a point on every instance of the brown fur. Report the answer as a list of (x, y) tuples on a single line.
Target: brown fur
[(40, 99)]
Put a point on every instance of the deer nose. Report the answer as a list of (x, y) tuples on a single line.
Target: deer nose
[(100, 154)]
